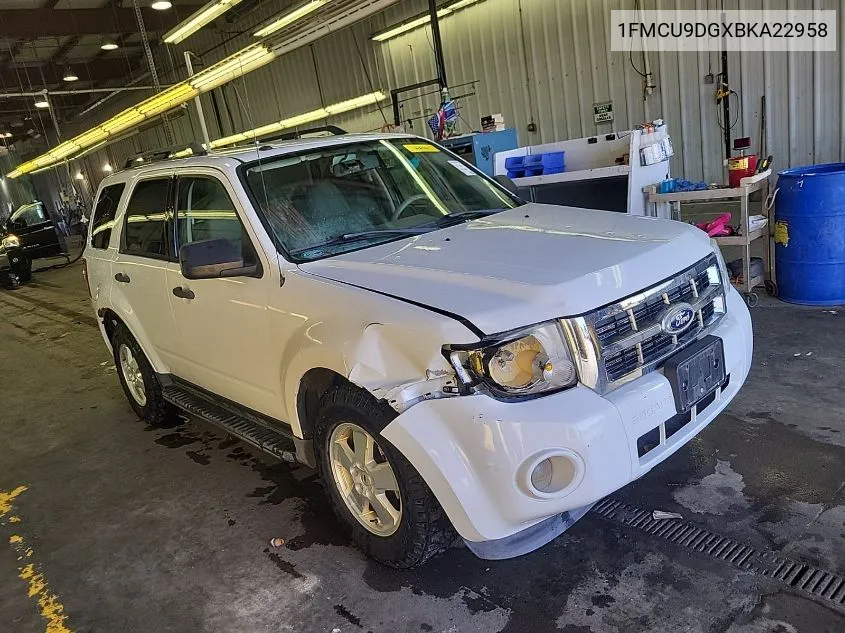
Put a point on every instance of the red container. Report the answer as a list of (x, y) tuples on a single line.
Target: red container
[(740, 167)]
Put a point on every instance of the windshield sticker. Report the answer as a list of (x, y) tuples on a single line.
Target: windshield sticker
[(464, 169), (420, 148)]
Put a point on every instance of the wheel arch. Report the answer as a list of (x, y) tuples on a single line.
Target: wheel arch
[(312, 385), (110, 321)]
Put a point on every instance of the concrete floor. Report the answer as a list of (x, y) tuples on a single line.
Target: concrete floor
[(131, 528)]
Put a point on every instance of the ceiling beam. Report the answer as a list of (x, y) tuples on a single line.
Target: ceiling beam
[(8, 54), (31, 23), (61, 52), (107, 69)]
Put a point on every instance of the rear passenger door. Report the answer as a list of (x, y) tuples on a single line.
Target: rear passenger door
[(100, 251), (223, 326), (139, 287)]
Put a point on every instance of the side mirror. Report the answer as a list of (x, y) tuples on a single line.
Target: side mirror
[(211, 259), (507, 183)]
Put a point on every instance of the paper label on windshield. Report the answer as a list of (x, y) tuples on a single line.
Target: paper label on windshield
[(421, 148), (464, 169)]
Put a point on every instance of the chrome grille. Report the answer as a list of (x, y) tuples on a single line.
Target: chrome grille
[(625, 340)]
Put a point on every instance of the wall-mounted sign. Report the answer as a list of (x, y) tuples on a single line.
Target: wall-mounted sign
[(603, 112)]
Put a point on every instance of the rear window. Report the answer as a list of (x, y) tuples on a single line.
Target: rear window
[(104, 212), (148, 228)]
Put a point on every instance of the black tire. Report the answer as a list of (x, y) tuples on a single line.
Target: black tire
[(156, 410), (424, 530)]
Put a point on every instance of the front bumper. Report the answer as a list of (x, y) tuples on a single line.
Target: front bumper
[(472, 451)]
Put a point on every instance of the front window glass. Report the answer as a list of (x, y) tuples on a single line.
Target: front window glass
[(204, 211), (348, 197)]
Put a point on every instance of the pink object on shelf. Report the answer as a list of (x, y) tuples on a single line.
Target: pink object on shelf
[(719, 227)]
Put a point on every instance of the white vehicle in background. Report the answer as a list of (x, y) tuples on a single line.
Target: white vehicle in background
[(448, 357)]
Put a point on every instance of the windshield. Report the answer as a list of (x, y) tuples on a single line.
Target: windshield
[(347, 197)]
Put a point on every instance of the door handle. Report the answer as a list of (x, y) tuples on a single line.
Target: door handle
[(183, 293), (122, 278)]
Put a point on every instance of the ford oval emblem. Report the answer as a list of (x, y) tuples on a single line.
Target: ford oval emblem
[(677, 318)]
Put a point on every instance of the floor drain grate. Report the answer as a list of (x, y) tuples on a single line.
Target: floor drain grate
[(817, 582)]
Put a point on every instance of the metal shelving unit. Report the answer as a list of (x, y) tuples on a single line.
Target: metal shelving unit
[(750, 185)]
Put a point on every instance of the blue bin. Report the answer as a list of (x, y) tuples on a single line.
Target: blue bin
[(553, 162), (533, 165), (810, 235), (514, 162)]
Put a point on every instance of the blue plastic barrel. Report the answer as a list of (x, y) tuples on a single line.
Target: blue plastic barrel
[(810, 235)]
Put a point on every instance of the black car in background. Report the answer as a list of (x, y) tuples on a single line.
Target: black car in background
[(35, 230), (28, 234)]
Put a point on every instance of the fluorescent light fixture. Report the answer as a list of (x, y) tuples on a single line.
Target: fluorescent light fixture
[(70, 75), (42, 103), (109, 46), (205, 15), (421, 20), (234, 66), (161, 5), (289, 18), (301, 119)]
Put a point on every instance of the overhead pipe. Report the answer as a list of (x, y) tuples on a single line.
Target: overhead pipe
[(76, 91), (205, 137), (129, 86), (438, 45)]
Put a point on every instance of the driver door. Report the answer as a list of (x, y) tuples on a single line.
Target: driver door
[(225, 345)]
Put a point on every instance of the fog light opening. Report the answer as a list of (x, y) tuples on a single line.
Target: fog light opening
[(542, 475), (553, 475)]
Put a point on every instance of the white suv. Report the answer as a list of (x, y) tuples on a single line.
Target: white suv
[(447, 356)]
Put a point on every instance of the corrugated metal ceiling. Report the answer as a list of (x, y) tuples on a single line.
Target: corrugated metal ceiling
[(546, 62)]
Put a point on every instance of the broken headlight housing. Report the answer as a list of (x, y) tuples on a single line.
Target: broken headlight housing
[(528, 362)]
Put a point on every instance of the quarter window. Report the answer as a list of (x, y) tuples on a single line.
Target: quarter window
[(148, 228), (103, 220), (204, 211)]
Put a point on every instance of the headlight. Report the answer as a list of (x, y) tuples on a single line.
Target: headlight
[(10, 241), (531, 361)]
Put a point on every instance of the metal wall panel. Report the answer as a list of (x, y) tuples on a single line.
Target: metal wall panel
[(536, 61)]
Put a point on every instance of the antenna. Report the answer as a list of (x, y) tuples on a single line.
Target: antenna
[(273, 236)]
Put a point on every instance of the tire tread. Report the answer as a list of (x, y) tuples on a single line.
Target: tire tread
[(434, 533)]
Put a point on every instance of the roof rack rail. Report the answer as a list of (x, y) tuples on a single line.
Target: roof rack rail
[(296, 134), (164, 153)]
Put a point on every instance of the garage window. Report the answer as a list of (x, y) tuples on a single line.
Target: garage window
[(103, 220), (149, 228)]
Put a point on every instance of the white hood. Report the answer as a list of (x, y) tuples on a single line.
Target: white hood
[(519, 267)]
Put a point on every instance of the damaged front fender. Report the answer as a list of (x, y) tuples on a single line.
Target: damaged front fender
[(398, 365)]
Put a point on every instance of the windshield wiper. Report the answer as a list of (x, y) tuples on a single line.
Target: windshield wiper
[(465, 215), (348, 238)]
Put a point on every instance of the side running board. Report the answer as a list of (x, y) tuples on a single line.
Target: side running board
[(245, 427)]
